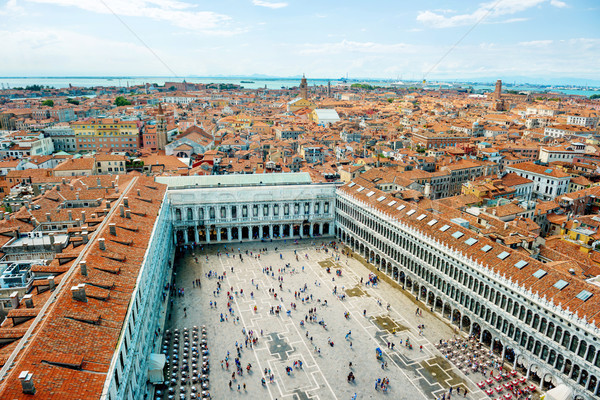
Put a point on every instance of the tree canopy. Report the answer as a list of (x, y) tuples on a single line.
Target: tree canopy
[(122, 101), (49, 103)]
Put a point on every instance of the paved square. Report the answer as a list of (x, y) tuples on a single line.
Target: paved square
[(261, 279)]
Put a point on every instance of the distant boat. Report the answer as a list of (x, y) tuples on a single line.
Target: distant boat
[(246, 81)]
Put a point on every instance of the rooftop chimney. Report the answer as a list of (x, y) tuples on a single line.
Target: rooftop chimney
[(128, 214), (83, 216), (108, 203), (84, 235), (83, 267), (6, 216), (78, 292), (28, 300), (139, 193), (64, 181), (14, 300), (51, 282), (98, 181), (51, 236), (122, 210), (101, 243), (113, 229), (26, 379), (77, 195), (70, 215), (48, 217), (126, 201)]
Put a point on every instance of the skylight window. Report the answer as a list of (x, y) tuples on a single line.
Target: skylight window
[(457, 234), (421, 217), (351, 184), (503, 255), (521, 264), (381, 198), (411, 212), (486, 248), (401, 207), (540, 273), (471, 241), (371, 193), (391, 203), (548, 171), (432, 222), (560, 285), (445, 228), (584, 295), (360, 189)]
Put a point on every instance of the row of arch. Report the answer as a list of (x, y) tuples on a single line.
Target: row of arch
[(360, 231), (217, 234)]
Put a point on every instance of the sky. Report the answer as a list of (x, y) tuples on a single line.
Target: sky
[(391, 39)]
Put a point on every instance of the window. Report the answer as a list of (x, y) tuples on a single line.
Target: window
[(432, 222), (245, 211), (521, 264), (421, 217), (471, 241), (411, 212), (486, 248), (457, 234), (445, 228), (276, 209), (326, 207), (401, 207), (286, 209), (584, 295), (381, 198), (540, 273), (371, 193), (265, 210), (503, 255), (391, 203), (255, 210)]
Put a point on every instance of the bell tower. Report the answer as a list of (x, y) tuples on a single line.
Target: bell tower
[(303, 88)]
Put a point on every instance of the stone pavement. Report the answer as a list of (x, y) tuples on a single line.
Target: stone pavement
[(413, 373)]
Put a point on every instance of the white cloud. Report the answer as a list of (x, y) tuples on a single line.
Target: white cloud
[(11, 8), (269, 4), (558, 3), (536, 43), (176, 12), (489, 11), (64, 52), (347, 46)]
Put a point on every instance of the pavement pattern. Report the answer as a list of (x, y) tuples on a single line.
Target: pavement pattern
[(359, 318)]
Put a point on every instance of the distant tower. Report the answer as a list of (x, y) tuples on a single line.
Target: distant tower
[(329, 89), (161, 129), (303, 88), (498, 91)]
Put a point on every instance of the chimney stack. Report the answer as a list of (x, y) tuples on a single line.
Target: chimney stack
[(113, 229), (139, 193), (70, 215), (122, 210), (28, 300), (102, 244), (6, 216), (126, 201), (98, 181), (128, 214), (64, 181), (84, 235), (78, 292), (108, 204), (83, 267), (48, 217), (26, 379), (82, 215), (51, 236), (14, 300), (51, 282)]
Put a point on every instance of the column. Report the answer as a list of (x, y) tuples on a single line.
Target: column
[(218, 234), (291, 230), (208, 234), (310, 231), (185, 236), (260, 231), (271, 231), (229, 234), (174, 237), (528, 371), (196, 236), (503, 352)]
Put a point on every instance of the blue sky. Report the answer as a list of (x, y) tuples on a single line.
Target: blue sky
[(327, 38)]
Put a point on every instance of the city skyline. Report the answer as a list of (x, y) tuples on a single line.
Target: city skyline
[(474, 40)]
